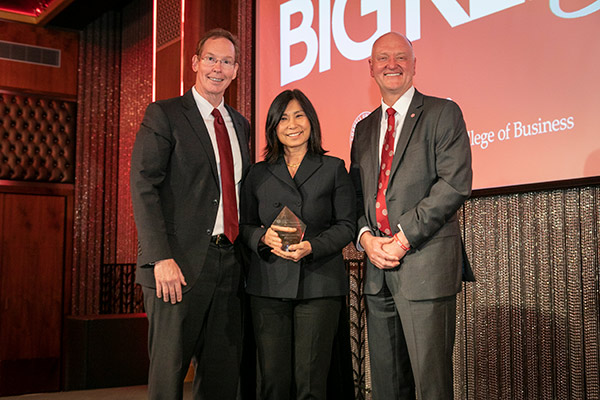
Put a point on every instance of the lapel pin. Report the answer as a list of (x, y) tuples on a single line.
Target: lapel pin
[(412, 115)]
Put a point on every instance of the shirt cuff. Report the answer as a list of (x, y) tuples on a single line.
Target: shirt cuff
[(401, 230), (363, 230)]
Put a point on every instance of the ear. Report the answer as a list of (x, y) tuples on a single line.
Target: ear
[(235, 70), (195, 61), (371, 67)]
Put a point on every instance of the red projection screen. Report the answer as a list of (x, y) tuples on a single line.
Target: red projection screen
[(524, 72)]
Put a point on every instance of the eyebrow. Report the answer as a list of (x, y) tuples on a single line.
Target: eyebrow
[(395, 53), (214, 55), (293, 112)]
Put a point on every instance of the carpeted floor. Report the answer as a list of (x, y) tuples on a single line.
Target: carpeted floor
[(123, 393)]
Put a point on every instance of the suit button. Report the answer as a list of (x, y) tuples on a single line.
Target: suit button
[(208, 232), (276, 204), (215, 202), (299, 203)]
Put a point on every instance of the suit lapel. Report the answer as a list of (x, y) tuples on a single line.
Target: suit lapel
[(279, 169), (410, 121), (372, 170), (191, 112), (310, 164)]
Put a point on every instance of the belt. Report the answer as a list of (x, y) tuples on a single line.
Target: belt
[(220, 240)]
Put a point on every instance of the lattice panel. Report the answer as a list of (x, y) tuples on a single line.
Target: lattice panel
[(168, 21), (37, 139)]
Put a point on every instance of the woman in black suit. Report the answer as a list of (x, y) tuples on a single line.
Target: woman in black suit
[(296, 295)]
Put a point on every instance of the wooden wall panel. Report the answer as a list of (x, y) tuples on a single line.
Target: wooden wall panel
[(168, 62), (193, 29), (38, 78), (32, 255)]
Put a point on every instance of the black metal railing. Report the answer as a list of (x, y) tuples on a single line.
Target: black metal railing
[(118, 292)]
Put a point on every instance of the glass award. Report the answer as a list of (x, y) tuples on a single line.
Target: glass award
[(288, 219)]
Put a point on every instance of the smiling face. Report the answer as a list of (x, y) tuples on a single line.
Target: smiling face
[(293, 130), (213, 80), (392, 65)]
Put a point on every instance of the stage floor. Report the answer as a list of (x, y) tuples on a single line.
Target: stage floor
[(122, 393)]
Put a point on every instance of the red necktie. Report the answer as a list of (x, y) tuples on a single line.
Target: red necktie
[(387, 155), (230, 215)]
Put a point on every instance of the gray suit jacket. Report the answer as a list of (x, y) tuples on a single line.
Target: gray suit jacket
[(430, 179), (175, 185), (322, 196)]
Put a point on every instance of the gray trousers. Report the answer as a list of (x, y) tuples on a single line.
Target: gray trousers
[(411, 345)]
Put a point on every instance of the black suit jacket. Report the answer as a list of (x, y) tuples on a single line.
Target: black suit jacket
[(175, 185), (322, 195), (430, 179)]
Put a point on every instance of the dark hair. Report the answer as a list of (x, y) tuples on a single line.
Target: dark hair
[(274, 149), (219, 33)]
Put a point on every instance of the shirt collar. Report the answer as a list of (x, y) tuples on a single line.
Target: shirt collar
[(204, 105), (401, 105)]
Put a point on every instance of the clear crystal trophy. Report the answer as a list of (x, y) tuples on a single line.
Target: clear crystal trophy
[(288, 219)]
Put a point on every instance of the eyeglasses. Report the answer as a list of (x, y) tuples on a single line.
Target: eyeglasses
[(210, 61)]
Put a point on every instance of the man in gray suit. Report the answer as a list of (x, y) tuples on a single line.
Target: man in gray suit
[(187, 164), (411, 164)]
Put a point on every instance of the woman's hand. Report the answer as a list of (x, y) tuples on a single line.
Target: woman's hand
[(298, 251), (295, 251), (272, 239)]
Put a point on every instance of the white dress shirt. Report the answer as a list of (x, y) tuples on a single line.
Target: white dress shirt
[(401, 106), (206, 109)]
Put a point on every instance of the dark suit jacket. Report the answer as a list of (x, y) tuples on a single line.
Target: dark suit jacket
[(430, 179), (322, 195), (175, 185)]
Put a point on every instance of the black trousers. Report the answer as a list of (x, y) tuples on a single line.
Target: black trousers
[(204, 328), (294, 340)]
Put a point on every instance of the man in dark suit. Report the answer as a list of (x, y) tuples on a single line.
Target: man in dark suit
[(187, 164), (411, 164)]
